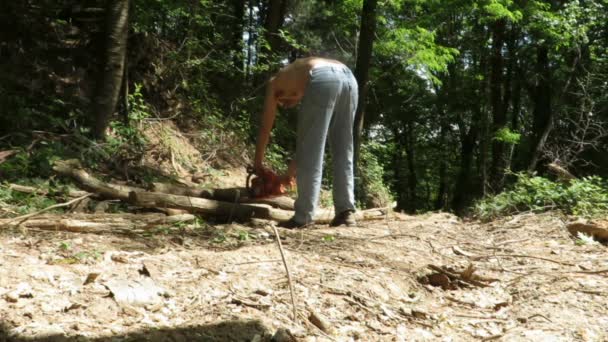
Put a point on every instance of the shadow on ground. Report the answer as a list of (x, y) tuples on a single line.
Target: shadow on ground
[(234, 330)]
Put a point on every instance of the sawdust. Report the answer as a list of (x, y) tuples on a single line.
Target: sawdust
[(226, 282)]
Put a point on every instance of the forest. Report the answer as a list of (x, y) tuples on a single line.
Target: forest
[(482, 111), (456, 97)]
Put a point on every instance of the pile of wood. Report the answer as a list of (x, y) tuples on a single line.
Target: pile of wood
[(232, 203)]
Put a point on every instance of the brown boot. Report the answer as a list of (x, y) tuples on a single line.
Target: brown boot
[(346, 217)]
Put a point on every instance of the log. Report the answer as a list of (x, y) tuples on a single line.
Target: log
[(181, 190), (197, 205), (72, 168), (562, 174), (239, 195), (234, 210), (100, 223)]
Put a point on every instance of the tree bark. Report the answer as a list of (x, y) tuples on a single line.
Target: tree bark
[(364, 56), (112, 67)]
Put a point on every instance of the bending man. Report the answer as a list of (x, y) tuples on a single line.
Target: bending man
[(328, 93)]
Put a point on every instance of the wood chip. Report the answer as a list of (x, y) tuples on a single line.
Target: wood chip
[(319, 321), (91, 277)]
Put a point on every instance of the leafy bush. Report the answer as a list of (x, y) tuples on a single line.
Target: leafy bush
[(370, 189), (36, 162), (586, 197)]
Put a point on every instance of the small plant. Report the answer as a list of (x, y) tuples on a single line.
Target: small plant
[(65, 246), (219, 237), (328, 238), (243, 235)]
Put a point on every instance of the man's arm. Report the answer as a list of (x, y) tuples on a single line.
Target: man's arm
[(268, 115)]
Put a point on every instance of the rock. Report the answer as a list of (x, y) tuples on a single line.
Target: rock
[(140, 292)]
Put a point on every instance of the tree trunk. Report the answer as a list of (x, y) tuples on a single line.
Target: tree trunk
[(273, 21), (112, 67), (250, 43), (442, 193), (399, 184), (497, 167), (462, 189), (411, 165), (238, 10), (364, 56), (543, 114)]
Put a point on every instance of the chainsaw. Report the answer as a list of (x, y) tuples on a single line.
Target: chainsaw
[(265, 184)]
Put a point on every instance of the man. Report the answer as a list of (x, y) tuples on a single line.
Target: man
[(328, 92)]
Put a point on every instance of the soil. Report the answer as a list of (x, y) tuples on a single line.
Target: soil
[(530, 280)]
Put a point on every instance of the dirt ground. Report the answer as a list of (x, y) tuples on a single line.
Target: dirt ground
[(226, 282)]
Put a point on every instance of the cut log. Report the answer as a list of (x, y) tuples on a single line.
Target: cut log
[(72, 168), (238, 195), (197, 205), (100, 223), (234, 210), (181, 190)]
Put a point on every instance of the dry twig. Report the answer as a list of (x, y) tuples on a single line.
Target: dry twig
[(24, 218), (293, 298), (523, 256)]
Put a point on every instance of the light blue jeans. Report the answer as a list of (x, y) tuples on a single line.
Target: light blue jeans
[(327, 108)]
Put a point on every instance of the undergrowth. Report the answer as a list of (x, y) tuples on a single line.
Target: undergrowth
[(586, 197)]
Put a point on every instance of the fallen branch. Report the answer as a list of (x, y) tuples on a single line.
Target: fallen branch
[(21, 219), (72, 169), (100, 223), (457, 277), (239, 195), (522, 256), (158, 200)]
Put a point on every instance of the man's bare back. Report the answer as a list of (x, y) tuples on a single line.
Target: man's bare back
[(290, 82)]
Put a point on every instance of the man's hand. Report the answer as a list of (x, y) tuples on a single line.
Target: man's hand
[(259, 169)]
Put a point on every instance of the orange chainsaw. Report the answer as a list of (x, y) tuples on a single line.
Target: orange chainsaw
[(267, 184)]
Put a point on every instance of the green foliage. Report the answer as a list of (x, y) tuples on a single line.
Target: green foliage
[(587, 197), (499, 9), (22, 203), (417, 49), (126, 139), (370, 188), (507, 136)]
